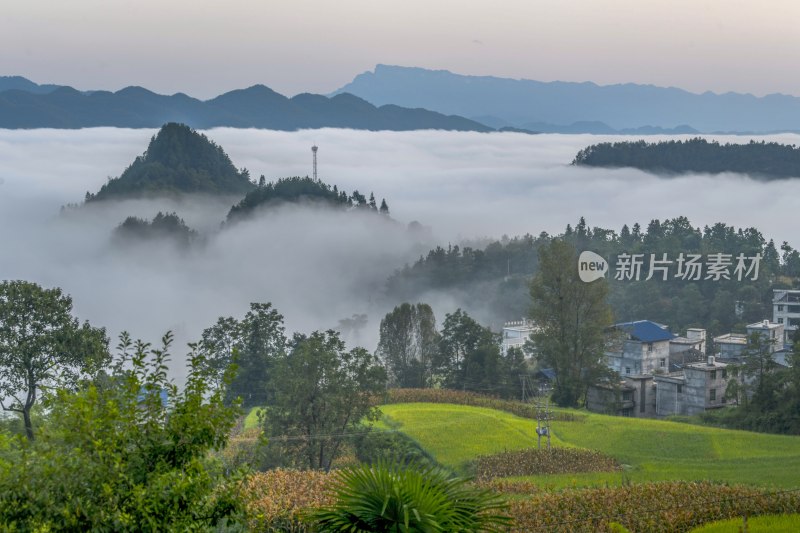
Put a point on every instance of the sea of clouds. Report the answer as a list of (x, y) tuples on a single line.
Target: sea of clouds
[(318, 266)]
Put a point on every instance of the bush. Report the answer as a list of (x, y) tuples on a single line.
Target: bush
[(534, 461), (392, 497), (132, 455), (524, 410)]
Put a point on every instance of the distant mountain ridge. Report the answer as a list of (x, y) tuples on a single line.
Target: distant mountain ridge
[(24, 104), (568, 107)]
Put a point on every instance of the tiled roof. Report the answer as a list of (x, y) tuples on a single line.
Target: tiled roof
[(645, 331)]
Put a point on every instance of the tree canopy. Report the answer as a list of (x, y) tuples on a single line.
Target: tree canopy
[(43, 346), (768, 160)]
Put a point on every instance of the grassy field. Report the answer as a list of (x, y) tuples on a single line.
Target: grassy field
[(757, 524), (650, 450), (251, 420)]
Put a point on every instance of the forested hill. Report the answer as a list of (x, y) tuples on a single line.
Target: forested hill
[(303, 190), (491, 281), (758, 159), (178, 160)]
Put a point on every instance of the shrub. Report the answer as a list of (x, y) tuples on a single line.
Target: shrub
[(392, 497), (534, 461), (132, 455), (376, 446)]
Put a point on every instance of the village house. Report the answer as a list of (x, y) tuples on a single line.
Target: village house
[(515, 334), (786, 311), (638, 348), (696, 389)]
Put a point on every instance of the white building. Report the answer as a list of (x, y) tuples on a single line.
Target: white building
[(515, 334), (772, 333), (786, 311)]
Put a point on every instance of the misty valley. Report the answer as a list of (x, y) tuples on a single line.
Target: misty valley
[(388, 306)]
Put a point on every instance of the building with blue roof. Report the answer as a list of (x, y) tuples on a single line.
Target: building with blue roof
[(638, 348)]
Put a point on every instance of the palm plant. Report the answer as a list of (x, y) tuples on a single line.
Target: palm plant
[(408, 499)]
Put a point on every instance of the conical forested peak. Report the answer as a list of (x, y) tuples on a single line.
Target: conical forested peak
[(178, 160)]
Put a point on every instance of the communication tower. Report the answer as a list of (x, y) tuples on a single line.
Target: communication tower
[(314, 151)]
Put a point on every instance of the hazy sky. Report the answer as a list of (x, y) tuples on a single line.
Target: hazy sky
[(204, 48)]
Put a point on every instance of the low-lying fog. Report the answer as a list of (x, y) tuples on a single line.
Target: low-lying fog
[(318, 267)]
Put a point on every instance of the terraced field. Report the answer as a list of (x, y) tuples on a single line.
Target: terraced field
[(651, 450)]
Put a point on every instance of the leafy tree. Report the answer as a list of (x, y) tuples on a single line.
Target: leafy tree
[(384, 209), (163, 226), (254, 344), (322, 393), (408, 345), (571, 317), (129, 457), (394, 497), (469, 355), (42, 346)]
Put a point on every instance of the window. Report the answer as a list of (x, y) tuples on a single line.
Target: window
[(724, 373), (713, 375), (780, 320), (627, 396), (712, 395), (649, 347), (780, 308), (662, 362), (627, 370), (680, 389)]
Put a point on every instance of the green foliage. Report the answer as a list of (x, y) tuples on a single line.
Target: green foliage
[(374, 446), (129, 457), (571, 317), (470, 359), (300, 190), (254, 344), (178, 160), (408, 345), (167, 226), (321, 395), (491, 279), (767, 160), (42, 346), (390, 497)]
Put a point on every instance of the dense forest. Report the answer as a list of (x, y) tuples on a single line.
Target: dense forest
[(766, 160), (178, 160), (491, 281), (303, 190)]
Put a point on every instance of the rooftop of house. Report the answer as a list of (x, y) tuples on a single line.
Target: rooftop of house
[(731, 338), (785, 295), (708, 365), (645, 331), (685, 340), (679, 360), (764, 324)]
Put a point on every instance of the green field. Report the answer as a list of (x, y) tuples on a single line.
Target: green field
[(756, 524), (650, 450)]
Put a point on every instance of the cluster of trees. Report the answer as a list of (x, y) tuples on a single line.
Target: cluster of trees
[(316, 394), (498, 274), (116, 446), (769, 160), (303, 189), (163, 226), (464, 355), (178, 160)]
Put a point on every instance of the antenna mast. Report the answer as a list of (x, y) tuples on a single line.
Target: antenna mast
[(314, 151)]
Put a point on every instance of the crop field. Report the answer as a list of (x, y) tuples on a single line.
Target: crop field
[(649, 450)]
